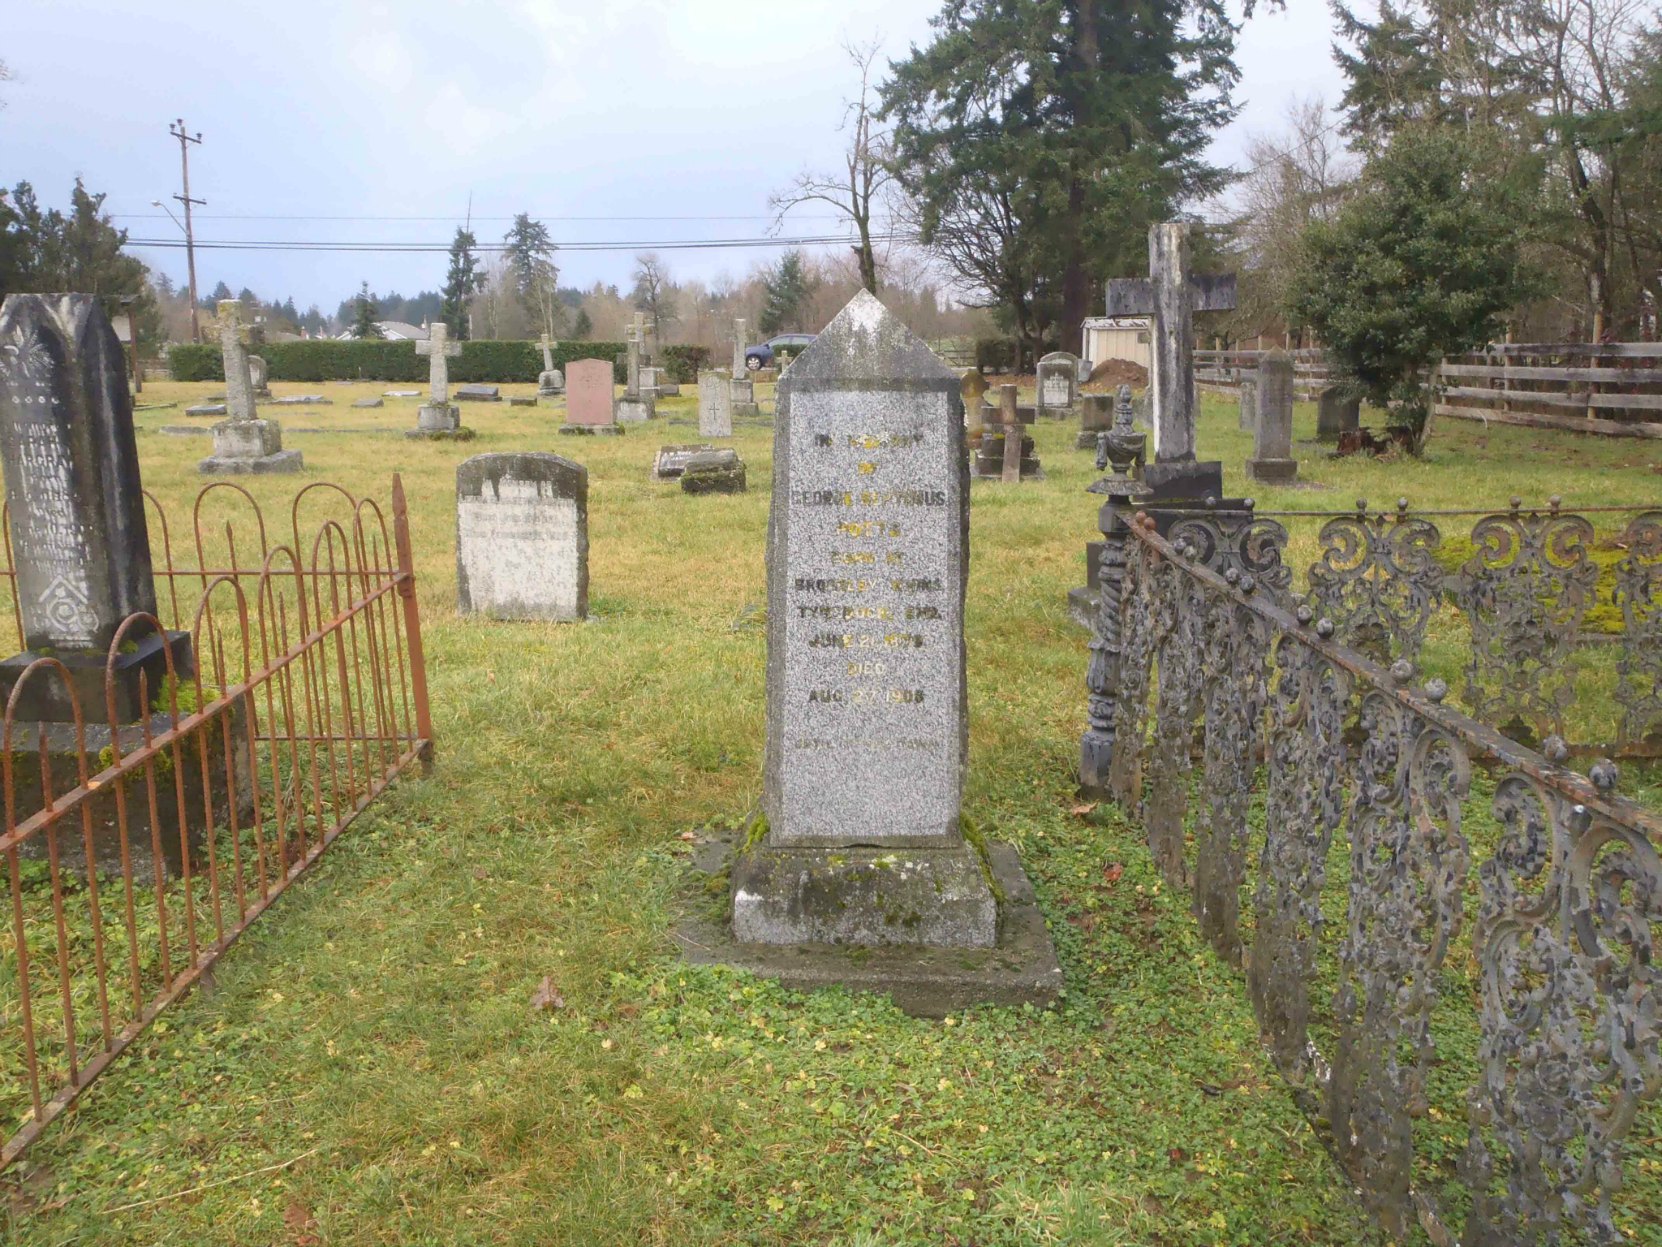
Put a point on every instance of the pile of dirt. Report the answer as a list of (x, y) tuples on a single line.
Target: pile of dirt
[(1110, 374)]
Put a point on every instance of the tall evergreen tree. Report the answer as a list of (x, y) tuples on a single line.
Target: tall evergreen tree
[(465, 279), (786, 290), (530, 255), (1082, 120), (364, 315)]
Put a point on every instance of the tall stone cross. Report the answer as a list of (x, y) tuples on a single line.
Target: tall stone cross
[(634, 335), (233, 348), (440, 348), (548, 344), (1172, 295), (739, 327)]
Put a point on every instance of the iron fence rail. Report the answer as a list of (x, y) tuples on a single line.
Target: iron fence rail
[(137, 852), (1368, 828)]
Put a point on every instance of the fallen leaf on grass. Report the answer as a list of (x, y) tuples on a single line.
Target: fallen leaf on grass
[(1083, 810), (1112, 872), (300, 1222), (547, 996), (689, 835)]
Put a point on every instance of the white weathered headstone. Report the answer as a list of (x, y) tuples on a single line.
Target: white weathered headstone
[(715, 404), (522, 537)]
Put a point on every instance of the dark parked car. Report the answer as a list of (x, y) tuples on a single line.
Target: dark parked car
[(792, 344)]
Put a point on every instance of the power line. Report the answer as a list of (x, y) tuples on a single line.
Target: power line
[(428, 248), (267, 216)]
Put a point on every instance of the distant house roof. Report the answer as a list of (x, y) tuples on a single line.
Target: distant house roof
[(397, 331), (1116, 322)]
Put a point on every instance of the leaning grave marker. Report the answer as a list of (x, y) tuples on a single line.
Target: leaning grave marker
[(868, 554)]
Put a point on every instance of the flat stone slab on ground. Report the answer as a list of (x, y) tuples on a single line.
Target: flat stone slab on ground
[(671, 461), (522, 400), (401, 394), (713, 472), (592, 430), (266, 465), (206, 409), (478, 394), (301, 400), (368, 402)]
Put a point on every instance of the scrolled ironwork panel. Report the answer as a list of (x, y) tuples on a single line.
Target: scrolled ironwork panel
[(1238, 541), (1639, 594), (1237, 643), (1379, 582), (1571, 1015), (1305, 763), (1524, 593), (1408, 867), (1148, 616), (1180, 660)]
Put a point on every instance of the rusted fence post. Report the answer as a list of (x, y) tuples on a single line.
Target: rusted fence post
[(412, 621)]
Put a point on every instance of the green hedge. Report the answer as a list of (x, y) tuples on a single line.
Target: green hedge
[(374, 359), (684, 362)]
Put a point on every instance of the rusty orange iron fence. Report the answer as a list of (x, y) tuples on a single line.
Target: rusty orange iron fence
[(138, 848)]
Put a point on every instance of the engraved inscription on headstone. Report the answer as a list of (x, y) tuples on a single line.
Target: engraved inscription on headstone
[(715, 403), (522, 541)]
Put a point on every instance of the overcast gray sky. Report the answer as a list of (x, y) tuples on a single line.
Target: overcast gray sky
[(635, 121)]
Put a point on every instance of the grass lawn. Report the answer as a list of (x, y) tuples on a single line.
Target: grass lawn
[(370, 1068)]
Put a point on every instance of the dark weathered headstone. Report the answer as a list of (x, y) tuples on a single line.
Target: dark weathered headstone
[(1272, 459), (671, 461), (1096, 415), (1337, 413), (478, 393), (82, 556), (522, 537)]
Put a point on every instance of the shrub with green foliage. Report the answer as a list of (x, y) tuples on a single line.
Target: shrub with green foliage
[(371, 359), (1425, 261), (684, 362)]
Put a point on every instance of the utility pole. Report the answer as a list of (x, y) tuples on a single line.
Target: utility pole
[(177, 130)]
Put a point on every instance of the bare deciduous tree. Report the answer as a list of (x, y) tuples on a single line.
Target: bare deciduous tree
[(861, 185)]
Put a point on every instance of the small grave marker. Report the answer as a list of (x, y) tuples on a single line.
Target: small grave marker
[(522, 537)]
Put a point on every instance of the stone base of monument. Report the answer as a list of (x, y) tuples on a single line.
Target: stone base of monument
[(628, 410), (551, 382), (282, 461), (752, 411), (140, 673), (204, 786), (1018, 966), (249, 446), (667, 389), (1084, 601), (522, 400), (713, 472), (598, 430), (1184, 480), (440, 422), (1272, 471), (988, 462), (744, 390)]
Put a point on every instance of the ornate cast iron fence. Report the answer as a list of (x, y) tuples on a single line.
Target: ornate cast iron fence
[(1514, 600), (1563, 874), (137, 852)]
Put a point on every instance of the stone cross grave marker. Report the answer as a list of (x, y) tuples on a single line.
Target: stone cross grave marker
[(436, 414), (243, 443), (1272, 459), (78, 529), (522, 537), (589, 406), (715, 403), (740, 328), (233, 350), (1172, 296), (548, 346)]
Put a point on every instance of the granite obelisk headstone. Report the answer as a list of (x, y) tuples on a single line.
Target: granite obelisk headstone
[(866, 693)]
